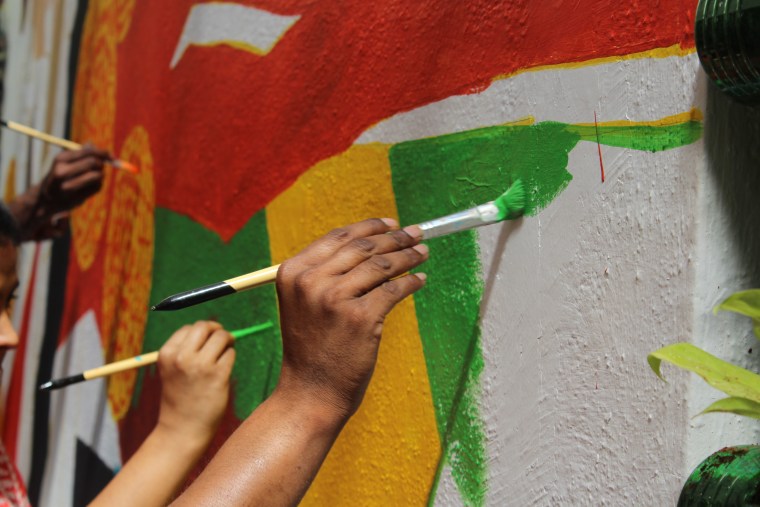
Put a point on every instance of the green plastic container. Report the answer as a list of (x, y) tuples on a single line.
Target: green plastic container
[(730, 477), (727, 34)]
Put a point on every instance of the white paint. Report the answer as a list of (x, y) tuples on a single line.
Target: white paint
[(31, 81), (564, 95), (232, 24), (80, 412), (447, 492), (577, 297)]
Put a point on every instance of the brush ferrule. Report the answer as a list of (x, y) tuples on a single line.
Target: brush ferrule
[(478, 216)]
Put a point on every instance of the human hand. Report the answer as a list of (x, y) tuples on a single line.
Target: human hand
[(42, 212), (334, 297), (195, 366)]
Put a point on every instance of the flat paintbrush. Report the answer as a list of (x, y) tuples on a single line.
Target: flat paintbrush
[(132, 362), (63, 143), (510, 205)]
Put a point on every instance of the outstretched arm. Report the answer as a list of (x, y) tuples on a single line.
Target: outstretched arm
[(195, 366), (334, 297)]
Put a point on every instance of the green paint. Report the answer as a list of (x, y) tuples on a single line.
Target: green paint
[(189, 255), (248, 331), (449, 306), (511, 204), (730, 476)]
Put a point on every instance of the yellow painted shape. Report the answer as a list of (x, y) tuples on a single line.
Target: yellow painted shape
[(10, 182), (236, 44), (387, 453), (676, 119), (674, 50)]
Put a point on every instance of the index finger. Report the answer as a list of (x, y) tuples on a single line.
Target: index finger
[(85, 151), (326, 246)]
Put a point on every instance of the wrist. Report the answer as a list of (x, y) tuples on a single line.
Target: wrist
[(184, 434), (317, 406)]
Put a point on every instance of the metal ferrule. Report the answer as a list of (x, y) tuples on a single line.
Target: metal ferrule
[(481, 215)]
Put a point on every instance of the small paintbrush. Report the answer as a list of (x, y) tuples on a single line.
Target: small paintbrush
[(63, 143), (132, 362), (510, 205)]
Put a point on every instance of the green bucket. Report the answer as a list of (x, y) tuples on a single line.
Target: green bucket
[(727, 34), (730, 477)]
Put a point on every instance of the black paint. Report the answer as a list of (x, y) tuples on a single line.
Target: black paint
[(194, 296)]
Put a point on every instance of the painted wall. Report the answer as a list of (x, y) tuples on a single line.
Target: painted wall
[(518, 376)]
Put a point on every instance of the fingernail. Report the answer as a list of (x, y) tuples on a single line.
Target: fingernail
[(422, 249), (414, 231), (421, 276), (390, 222)]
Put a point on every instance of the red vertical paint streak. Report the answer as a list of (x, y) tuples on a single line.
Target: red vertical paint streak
[(13, 404), (599, 145)]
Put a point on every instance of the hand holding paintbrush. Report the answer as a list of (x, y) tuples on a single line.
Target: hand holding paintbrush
[(508, 206), (42, 211)]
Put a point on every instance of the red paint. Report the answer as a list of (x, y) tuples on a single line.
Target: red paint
[(599, 145), (13, 402), (246, 126)]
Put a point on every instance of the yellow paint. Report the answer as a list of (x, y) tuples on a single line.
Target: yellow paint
[(676, 119), (674, 50), (387, 453), (522, 122), (10, 182), (128, 267), (94, 113), (243, 46)]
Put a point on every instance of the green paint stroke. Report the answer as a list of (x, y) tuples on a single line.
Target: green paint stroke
[(471, 168), (189, 255)]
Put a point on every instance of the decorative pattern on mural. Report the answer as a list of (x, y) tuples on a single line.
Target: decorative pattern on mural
[(128, 266)]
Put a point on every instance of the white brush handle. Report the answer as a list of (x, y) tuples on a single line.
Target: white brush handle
[(478, 216)]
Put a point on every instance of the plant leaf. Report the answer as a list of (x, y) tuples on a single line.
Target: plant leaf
[(732, 380), (746, 303), (734, 405)]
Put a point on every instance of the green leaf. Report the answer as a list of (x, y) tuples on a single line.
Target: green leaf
[(734, 405), (746, 303), (732, 380)]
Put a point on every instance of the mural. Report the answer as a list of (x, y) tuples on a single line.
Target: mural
[(252, 123)]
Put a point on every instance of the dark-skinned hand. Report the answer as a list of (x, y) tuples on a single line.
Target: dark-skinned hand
[(334, 297), (42, 212)]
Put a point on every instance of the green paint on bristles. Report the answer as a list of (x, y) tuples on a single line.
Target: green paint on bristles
[(512, 203), (246, 331)]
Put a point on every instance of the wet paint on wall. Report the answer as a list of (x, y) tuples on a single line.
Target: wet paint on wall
[(470, 168)]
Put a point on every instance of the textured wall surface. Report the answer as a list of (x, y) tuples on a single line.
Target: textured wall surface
[(518, 376)]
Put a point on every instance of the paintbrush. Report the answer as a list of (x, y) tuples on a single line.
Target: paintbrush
[(63, 143), (132, 362), (510, 205)]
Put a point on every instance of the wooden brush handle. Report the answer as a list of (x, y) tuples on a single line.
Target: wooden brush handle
[(255, 279), (125, 364), (29, 131)]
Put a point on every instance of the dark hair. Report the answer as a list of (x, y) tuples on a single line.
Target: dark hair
[(9, 230)]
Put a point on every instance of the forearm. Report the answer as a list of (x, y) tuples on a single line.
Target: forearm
[(156, 472), (271, 458)]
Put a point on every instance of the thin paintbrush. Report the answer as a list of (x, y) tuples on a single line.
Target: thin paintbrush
[(510, 205), (132, 362), (63, 143)]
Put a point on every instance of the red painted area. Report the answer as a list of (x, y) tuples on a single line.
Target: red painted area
[(13, 402), (230, 130)]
